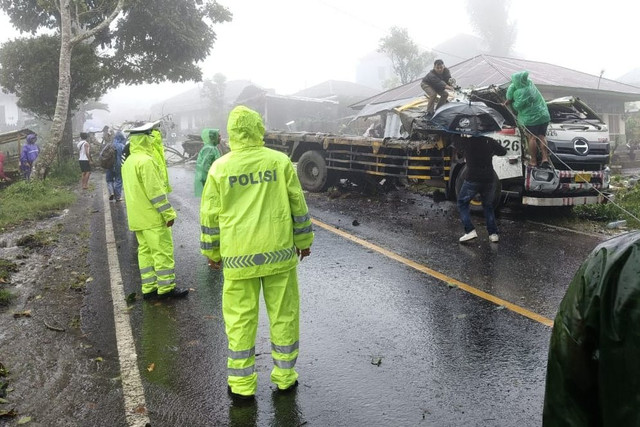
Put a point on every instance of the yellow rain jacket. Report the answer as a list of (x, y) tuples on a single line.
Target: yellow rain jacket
[(158, 156), (253, 213), (144, 187)]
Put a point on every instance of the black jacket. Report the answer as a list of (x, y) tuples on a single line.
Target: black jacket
[(478, 153), (437, 81)]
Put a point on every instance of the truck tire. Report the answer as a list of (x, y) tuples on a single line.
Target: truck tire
[(312, 172), (476, 203)]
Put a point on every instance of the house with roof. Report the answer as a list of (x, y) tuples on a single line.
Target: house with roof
[(191, 111), (606, 97)]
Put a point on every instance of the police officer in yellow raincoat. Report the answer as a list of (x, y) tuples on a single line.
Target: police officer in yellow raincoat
[(254, 220), (150, 216), (158, 156)]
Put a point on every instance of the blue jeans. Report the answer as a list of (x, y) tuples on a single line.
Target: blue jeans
[(114, 183), (468, 192)]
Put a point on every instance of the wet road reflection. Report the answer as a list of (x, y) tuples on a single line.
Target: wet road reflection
[(381, 344)]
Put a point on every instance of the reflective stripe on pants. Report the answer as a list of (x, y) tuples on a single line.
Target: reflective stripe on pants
[(240, 310), (155, 250)]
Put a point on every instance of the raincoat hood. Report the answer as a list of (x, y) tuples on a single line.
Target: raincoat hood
[(527, 100), (32, 138), (245, 128), (520, 79), (210, 136), (119, 137), (141, 143)]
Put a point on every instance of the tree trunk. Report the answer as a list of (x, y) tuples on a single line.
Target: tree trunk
[(50, 150)]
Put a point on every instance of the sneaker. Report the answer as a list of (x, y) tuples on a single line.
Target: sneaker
[(494, 238), (175, 293), (240, 397), (289, 389), (119, 199), (150, 295), (111, 197), (470, 235)]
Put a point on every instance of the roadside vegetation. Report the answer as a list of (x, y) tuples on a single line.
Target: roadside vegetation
[(626, 195), (37, 199)]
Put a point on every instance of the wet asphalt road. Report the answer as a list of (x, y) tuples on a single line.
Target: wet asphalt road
[(382, 344)]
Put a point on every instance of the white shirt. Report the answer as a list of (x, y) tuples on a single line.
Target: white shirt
[(81, 149)]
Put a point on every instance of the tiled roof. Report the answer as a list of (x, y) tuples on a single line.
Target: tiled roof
[(485, 70)]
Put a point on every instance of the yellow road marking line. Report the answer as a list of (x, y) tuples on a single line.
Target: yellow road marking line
[(433, 273)]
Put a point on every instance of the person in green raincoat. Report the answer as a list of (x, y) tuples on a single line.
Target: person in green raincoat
[(150, 216), (255, 223), (593, 372), (533, 114), (207, 155)]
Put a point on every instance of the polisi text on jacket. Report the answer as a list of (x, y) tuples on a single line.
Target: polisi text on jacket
[(253, 178)]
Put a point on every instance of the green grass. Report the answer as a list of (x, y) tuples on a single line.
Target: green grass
[(628, 199), (6, 297), (37, 199)]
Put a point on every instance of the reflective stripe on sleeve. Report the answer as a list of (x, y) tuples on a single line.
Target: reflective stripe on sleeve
[(209, 245), (308, 229), (158, 199), (303, 218), (210, 231), (164, 207)]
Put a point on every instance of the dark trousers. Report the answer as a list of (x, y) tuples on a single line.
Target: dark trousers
[(467, 193)]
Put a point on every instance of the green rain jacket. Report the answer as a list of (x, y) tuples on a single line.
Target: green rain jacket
[(253, 213), (158, 156), (593, 373), (144, 187), (207, 155), (527, 100)]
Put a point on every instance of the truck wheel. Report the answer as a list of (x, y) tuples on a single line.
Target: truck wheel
[(312, 172), (476, 202)]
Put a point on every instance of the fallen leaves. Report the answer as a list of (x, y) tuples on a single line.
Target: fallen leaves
[(25, 313), (151, 367)]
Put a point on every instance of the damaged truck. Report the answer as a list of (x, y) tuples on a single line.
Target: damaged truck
[(413, 149)]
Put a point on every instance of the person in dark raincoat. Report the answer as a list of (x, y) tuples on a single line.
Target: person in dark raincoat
[(207, 155), (593, 372)]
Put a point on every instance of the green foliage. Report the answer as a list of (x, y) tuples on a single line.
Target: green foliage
[(407, 60), (6, 268), (632, 127), (151, 45), (29, 200), (30, 70), (629, 199), (65, 173), (6, 297), (490, 19)]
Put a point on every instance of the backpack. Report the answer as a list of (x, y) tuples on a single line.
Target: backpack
[(107, 156)]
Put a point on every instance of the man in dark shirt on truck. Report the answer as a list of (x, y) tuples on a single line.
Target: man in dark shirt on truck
[(435, 84), (478, 154)]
